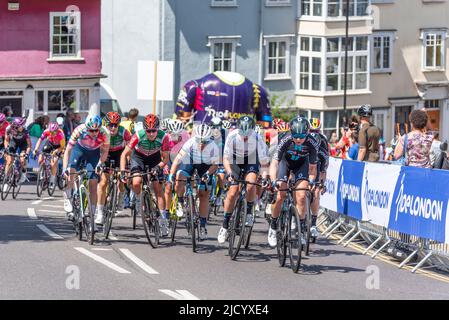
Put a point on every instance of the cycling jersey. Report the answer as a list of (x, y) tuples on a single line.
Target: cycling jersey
[(323, 151), (226, 95), (120, 139), (175, 146), (291, 152), (250, 151), (57, 140), (3, 129), (81, 137), (140, 143), (17, 135), (195, 155)]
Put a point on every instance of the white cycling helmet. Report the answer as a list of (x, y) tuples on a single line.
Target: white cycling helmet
[(202, 133), (165, 123), (175, 126), (258, 129), (226, 124), (60, 121), (216, 122)]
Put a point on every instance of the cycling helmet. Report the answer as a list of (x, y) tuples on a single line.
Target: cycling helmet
[(53, 127), (112, 118), (2, 118), (164, 124), (18, 122), (216, 122), (277, 122), (151, 122), (245, 125), (60, 121), (93, 122), (258, 129), (365, 111), (315, 124), (175, 126), (299, 127), (202, 133), (226, 124)]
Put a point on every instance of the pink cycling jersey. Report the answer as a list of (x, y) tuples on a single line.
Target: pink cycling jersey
[(81, 137), (176, 146), (56, 140)]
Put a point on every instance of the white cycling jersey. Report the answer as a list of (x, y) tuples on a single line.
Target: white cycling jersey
[(237, 148)]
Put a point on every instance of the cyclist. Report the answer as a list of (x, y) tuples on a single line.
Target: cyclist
[(3, 125), (119, 137), (296, 154), (178, 137), (89, 142), (17, 140), (200, 153), (322, 165), (244, 151), (219, 136), (55, 146), (149, 147)]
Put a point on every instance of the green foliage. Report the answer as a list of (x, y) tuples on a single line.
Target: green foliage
[(286, 114)]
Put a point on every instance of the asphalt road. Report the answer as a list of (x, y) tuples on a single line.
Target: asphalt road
[(42, 259)]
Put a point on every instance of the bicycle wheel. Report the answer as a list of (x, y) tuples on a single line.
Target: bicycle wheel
[(77, 222), (87, 216), (62, 182), (111, 206), (282, 238), (149, 219), (249, 231), (16, 184), (294, 240), (40, 181), (7, 183), (51, 187), (194, 234), (308, 225), (237, 226), (173, 224)]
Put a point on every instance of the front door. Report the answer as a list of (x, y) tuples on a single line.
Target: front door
[(15, 104)]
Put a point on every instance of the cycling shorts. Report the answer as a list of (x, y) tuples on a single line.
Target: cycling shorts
[(188, 169), (80, 155), (17, 146), (115, 157), (140, 161), (300, 170)]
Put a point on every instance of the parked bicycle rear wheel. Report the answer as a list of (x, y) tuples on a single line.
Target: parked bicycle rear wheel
[(237, 228), (294, 240), (149, 219)]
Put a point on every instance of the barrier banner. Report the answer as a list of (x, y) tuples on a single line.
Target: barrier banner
[(411, 200), (420, 203)]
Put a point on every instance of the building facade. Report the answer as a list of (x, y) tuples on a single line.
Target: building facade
[(397, 53), (50, 55), (254, 37)]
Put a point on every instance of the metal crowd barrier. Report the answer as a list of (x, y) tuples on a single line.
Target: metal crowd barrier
[(433, 253)]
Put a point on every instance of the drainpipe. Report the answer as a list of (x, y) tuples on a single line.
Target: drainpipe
[(261, 62)]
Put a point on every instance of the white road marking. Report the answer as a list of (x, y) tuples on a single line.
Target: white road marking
[(139, 262), (32, 213), (179, 295), (51, 211), (112, 237), (40, 201), (52, 206), (101, 249), (49, 232), (36, 202), (102, 261)]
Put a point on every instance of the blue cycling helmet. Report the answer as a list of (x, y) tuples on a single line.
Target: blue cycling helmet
[(93, 122)]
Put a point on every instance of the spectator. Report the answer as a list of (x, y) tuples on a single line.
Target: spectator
[(69, 124), (369, 136), (77, 119), (7, 111), (442, 161), (344, 144), (382, 150), (354, 148), (38, 126), (332, 144), (418, 143), (129, 123), (435, 148)]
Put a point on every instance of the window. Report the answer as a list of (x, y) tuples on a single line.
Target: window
[(224, 3), (381, 52), (278, 58), (330, 123), (222, 53), (65, 35), (434, 50), (39, 101), (432, 104), (312, 7), (60, 100)]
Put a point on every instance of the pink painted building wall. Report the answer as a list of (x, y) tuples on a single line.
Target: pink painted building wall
[(25, 39)]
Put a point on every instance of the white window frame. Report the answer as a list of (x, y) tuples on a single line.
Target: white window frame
[(77, 55), (424, 34), (324, 55), (223, 3), (77, 99), (340, 16), (310, 55), (233, 40), (288, 43), (382, 35), (277, 3)]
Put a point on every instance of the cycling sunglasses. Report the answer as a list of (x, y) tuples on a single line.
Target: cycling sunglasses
[(152, 130), (202, 141), (111, 125), (299, 136), (93, 130)]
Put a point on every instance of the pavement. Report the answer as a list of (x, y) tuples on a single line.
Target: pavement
[(41, 258)]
